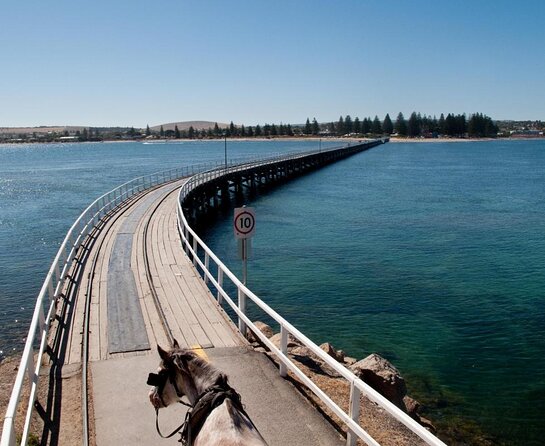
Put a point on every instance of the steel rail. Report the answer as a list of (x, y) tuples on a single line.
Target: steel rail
[(149, 276), (55, 280), (56, 277)]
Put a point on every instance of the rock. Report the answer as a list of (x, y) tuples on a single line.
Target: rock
[(292, 342), (382, 376), (412, 407), (303, 351), (263, 328), (330, 350), (427, 424), (348, 360), (305, 356), (341, 355)]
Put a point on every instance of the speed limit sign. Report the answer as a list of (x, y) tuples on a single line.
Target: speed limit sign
[(244, 222)]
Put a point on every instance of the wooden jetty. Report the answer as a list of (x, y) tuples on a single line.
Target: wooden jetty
[(131, 274)]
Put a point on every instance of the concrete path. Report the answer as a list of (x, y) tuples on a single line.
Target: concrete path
[(124, 415)]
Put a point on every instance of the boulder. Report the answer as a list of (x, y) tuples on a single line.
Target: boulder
[(427, 424), (382, 376), (412, 407), (305, 356), (292, 342), (348, 360), (263, 328), (330, 350)]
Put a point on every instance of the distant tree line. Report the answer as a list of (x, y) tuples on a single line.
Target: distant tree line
[(478, 125), (418, 125)]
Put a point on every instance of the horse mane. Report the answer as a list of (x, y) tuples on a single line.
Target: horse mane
[(204, 374)]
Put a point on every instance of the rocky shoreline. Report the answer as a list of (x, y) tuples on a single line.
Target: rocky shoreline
[(379, 374)]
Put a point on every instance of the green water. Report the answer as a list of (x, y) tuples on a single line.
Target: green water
[(431, 254)]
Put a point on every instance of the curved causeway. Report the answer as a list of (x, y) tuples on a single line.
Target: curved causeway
[(132, 274)]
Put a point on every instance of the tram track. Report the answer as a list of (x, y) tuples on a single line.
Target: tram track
[(149, 277), (107, 225)]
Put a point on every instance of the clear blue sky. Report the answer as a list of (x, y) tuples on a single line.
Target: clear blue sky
[(136, 63)]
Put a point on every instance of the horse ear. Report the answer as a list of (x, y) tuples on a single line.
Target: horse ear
[(175, 343), (162, 353)]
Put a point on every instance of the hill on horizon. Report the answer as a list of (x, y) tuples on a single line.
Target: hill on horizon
[(184, 125)]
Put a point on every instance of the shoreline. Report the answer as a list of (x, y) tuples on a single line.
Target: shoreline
[(394, 140)]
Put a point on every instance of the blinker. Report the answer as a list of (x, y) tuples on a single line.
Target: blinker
[(156, 380)]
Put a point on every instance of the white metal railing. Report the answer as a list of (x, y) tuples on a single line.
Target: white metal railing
[(56, 277), (194, 246), (55, 281)]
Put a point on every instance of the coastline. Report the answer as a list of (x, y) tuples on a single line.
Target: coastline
[(392, 139)]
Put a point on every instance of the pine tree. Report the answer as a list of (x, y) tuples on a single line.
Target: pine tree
[(216, 129), (148, 131), (348, 127), (315, 127), (258, 131), (413, 125), (366, 126), (377, 126), (401, 125), (162, 132), (232, 129), (356, 128), (308, 128), (176, 132), (190, 132), (289, 130), (441, 124), (387, 125), (340, 127)]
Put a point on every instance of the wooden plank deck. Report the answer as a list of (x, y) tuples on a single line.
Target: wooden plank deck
[(193, 316)]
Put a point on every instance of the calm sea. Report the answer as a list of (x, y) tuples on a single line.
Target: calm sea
[(431, 254), (45, 187)]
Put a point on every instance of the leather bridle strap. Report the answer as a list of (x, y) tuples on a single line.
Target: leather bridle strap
[(175, 431)]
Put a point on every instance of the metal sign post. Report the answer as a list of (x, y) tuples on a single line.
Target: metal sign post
[(244, 227)]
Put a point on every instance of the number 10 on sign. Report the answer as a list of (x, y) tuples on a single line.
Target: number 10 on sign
[(244, 222), (244, 226)]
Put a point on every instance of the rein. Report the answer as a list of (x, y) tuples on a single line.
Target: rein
[(196, 416)]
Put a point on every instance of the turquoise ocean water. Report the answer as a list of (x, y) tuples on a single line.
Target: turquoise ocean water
[(431, 254)]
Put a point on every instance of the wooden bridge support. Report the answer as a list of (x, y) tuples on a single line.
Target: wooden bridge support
[(234, 187)]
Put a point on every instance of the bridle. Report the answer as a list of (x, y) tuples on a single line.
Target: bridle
[(205, 403), (159, 380)]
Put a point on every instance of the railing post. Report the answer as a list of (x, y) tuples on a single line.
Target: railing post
[(354, 413), (50, 289), (242, 308), (220, 285), (284, 350), (194, 251), (30, 366), (206, 265), (9, 431), (41, 319)]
